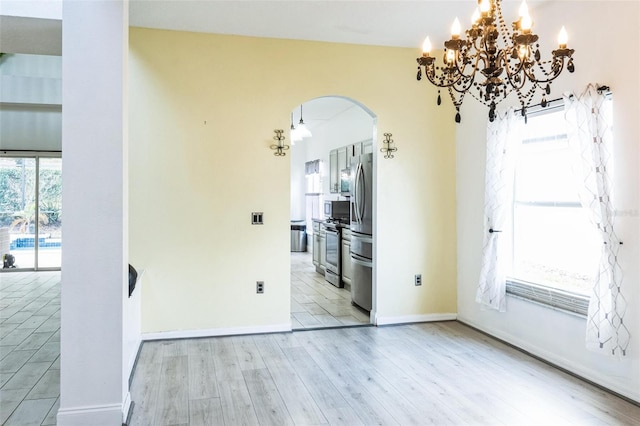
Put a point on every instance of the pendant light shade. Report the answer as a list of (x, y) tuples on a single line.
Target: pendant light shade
[(294, 133), (302, 128)]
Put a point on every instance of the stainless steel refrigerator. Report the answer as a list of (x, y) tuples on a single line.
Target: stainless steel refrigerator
[(361, 188)]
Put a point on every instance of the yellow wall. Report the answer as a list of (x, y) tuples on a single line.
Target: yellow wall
[(203, 108)]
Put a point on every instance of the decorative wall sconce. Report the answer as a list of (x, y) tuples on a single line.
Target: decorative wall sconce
[(280, 147), (388, 149)]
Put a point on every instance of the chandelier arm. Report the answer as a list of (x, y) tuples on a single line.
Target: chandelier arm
[(431, 76), (512, 73), (552, 77), (465, 88), (460, 71)]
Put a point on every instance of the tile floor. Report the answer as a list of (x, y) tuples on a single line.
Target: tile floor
[(317, 304), (29, 348)]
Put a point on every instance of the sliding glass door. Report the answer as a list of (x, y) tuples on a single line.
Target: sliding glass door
[(49, 253), (31, 211)]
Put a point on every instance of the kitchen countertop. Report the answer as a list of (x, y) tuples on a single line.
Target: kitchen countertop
[(341, 225)]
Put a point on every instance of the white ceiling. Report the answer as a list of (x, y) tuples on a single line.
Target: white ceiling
[(30, 35), (320, 111), (398, 23)]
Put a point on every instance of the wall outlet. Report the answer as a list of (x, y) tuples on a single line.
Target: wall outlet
[(257, 218), (259, 287), (418, 279)]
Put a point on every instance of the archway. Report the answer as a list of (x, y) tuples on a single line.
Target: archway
[(322, 284)]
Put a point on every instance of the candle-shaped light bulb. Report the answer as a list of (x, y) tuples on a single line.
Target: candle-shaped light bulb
[(526, 23), (451, 56), (455, 29), (523, 52), (524, 10), (563, 38), (475, 17), (426, 47), (485, 6)]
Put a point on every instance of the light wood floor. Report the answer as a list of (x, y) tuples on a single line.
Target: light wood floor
[(29, 348), (435, 373), (317, 304)]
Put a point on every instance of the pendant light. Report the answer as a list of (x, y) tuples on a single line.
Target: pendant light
[(294, 133), (304, 132)]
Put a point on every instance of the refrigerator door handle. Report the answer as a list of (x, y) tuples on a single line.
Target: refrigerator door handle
[(359, 260), (360, 238), (362, 185), (357, 191)]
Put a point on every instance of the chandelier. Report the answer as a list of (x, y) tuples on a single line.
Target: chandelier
[(502, 59)]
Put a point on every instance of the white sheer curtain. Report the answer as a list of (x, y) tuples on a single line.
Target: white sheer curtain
[(590, 136), (503, 142)]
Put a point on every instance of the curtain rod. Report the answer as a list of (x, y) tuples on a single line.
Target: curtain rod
[(600, 90)]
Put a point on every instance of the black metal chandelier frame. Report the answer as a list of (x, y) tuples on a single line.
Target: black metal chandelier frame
[(508, 60)]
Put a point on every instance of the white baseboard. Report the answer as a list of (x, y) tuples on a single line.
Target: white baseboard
[(106, 415), (126, 407), (212, 332), (406, 319), (561, 362)]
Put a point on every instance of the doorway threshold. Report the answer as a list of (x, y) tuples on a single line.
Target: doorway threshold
[(332, 327)]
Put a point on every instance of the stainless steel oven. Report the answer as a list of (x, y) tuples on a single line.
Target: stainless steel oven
[(332, 255)]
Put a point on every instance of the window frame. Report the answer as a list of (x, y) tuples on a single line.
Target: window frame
[(551, 297)]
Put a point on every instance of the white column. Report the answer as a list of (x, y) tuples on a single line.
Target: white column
[(93, 386)]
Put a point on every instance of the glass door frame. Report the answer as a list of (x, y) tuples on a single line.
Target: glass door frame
[(35, 155)]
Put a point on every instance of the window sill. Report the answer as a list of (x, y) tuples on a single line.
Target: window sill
[(565, 301)]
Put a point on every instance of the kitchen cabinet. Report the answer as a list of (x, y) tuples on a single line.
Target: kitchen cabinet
[(355, 151), (319, 247), (367, 146), (339, 160), (342, 158), (315, 251), (323, 249), (334, 171), (346, 258)]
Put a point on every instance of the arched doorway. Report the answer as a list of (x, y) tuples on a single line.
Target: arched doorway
[(324, 292)]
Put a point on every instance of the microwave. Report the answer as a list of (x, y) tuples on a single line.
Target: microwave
[(338, 210)]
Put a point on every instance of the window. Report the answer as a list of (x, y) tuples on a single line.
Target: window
[(555, 246), (313, 192)]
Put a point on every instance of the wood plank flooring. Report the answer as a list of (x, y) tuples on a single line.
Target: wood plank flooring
[(438, 373), (433, 373)]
